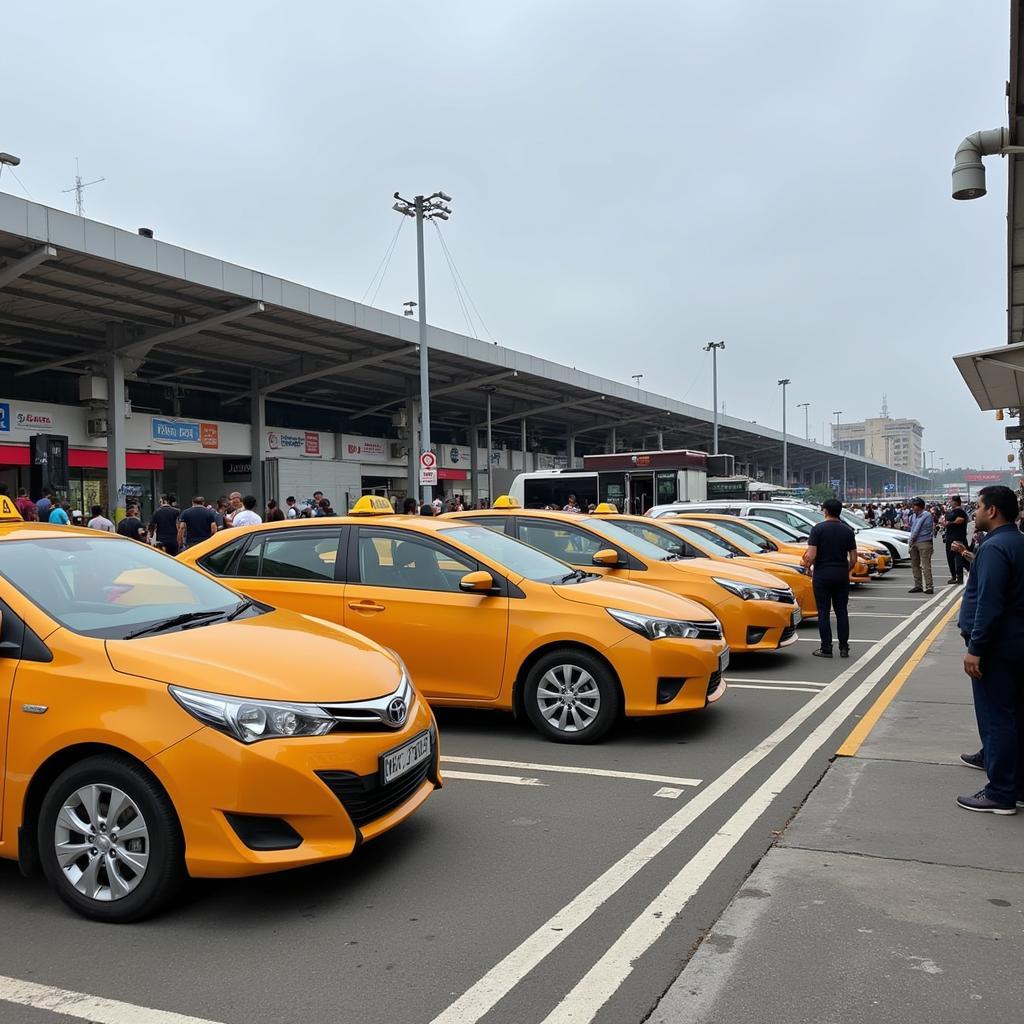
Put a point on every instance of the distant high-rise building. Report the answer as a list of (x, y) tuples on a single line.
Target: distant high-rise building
[(896, 442)]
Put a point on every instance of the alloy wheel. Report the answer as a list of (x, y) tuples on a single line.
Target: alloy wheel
[(569, 698)]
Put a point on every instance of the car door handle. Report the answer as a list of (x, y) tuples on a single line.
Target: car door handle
[(365, 606)]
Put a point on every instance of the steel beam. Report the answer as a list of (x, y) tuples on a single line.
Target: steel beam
[(351, 364), (465, 385), (540, 410), (12, 271)]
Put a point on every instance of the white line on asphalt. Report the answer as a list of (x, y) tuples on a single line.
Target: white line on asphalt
[(85, 1007), (871, 597), (669, 793), (766, 686), (876, 615), (774, 682), (853, 640), (501, 979), (511, 780), (598, 985), (570, 770)]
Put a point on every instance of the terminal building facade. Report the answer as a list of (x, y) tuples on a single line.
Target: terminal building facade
[(896, 442)]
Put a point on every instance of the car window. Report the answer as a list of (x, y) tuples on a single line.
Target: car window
[(509, 553), (409, 562), (661, 538), (495, 523), (726, 534), (298, 555), (561, 541), (706, 536), (220, 560), (706, 546)]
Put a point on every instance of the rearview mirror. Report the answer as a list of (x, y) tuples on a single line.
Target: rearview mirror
[(477, 583), (607, 557)]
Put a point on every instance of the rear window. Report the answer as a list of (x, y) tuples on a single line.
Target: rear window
[(219, 562)]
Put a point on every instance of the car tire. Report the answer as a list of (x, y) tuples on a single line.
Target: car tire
[(593, 704), (128, 866)]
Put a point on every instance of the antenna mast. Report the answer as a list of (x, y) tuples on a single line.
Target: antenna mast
[(885, 406), (80, 187)]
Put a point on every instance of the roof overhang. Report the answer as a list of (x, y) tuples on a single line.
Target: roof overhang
[(995, 376)]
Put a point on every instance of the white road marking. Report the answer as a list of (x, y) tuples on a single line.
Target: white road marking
[(481, 997), (876, 615), (511, 780), (597, 986), (774, 682), (853, 640), (669, 793), (85, 1007), (909, 597), (569, 770), (765, 686)]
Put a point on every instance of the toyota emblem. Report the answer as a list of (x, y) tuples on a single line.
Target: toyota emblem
[(397, 711)]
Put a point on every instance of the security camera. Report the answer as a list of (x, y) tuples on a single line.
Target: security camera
[(968, 170)]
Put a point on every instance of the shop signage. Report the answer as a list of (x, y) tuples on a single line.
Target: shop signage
[(34, 420), (988, 477), (5, 417), (364, 449), (130, 490), (237, 470), (312, 443), (727, 488), (176, 431), (209, 435), (307, 443)]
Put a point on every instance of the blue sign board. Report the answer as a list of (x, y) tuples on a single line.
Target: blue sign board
[(5, 417), (175, 431)]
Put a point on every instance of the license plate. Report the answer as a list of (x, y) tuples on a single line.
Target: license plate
[(797, 616), (723, 660), (396, 763)]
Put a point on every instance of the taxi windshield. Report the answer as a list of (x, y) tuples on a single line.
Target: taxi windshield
[(734, 535), (113, 589), (616, 533), (510, 553), (703, 541), (781, 531)]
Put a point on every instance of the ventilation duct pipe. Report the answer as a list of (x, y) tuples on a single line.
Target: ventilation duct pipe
[(968, 170)]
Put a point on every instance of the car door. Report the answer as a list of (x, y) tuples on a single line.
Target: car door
[(9, 653), (403, 591), (294, 569)]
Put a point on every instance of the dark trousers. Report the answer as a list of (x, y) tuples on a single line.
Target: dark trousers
[(956, 563), (999, 707), (832, 590)]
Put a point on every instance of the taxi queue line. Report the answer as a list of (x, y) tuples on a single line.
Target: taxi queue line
[(183, 669)]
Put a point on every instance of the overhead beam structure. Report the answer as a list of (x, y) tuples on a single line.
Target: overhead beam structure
[(466, 385), (541, 409), (12, 271)]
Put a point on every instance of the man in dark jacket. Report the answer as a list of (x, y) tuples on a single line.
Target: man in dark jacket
[(955, 522), (992, 624)]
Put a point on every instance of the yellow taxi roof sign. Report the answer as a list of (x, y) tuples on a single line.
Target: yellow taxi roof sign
[(505, 501), (606, 508), (8, 510), (372, 505)]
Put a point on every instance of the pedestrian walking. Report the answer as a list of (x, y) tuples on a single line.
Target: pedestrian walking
[(131, 526), (163, 526), (992, 625), (60, 514), (410, 507), (248, 516), (196, 524), (293, 512), (44, 505), (26, 506), (274, 513), (99, 521), (955, 532), (922, 533), (831, 555)]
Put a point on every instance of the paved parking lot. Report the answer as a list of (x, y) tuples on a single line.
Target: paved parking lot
[(544, 883)]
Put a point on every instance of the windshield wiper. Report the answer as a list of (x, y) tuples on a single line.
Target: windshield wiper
[(244, 605), (672, 556), (576, 574), (174, 620)]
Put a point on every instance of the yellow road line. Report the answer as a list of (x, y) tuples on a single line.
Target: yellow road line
[(860, 731)]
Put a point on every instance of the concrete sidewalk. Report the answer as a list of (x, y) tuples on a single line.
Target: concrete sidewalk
[(883, 901)]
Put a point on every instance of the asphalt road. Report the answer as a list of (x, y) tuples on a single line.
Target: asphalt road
[(521, 893)]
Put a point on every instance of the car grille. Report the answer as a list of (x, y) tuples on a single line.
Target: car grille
[(785, 596), (365, 798), (714, 683), (787, 633), (708, 630)]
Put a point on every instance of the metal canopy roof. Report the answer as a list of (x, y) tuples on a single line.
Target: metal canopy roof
[(995, 376), (205, 325)]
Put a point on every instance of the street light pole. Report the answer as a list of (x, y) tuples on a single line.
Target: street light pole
[(807, 423), (490, 443), (423, 208), (837, 413), (713, 347), (785, 445)]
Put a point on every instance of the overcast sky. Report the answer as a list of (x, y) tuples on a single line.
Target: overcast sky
[(629, 181)]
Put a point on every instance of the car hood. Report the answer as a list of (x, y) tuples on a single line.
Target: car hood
[(279, 655), (884, 531), (632, 597), (742, 568)]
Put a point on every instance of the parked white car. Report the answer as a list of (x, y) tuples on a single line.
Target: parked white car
[(896, 542)]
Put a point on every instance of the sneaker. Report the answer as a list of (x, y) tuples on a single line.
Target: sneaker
[(951, 583), (980, 802), (929, 590), (844, 652), (974, 760), (914, 590), (822, 653)]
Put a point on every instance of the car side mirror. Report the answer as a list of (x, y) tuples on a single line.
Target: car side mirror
[(606, 556), (477, 583)]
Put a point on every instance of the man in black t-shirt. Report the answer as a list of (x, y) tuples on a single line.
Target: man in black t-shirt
[(196, 524), (832, 551), (163, 527), (956, 530), (131, 526)]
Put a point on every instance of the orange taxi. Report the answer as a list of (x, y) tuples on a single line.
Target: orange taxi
[(571, 650), (153, 725), (757, 610)]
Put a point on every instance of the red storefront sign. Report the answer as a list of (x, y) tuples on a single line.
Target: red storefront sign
[(81, 458), (452, 474), (989, 477), (312, 442), (209, 435)]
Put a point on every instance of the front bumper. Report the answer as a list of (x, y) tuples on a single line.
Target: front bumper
[(210, 775), (759, 625), (643, 665)]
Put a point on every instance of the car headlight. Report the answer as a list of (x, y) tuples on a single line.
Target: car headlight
[(750, 592), (803, 570), (253, 720), (655, 628)]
